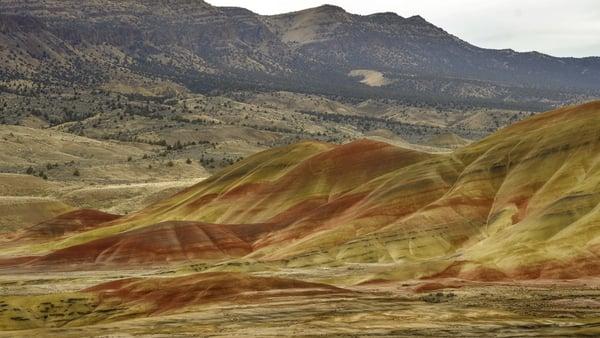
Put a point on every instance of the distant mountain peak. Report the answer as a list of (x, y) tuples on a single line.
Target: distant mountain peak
[(387, 14), (418, 19), (329, 8), (394, 18), (323, 11)]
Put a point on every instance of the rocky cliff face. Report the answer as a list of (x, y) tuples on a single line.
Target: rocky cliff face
[(413, 46), (205, 47)]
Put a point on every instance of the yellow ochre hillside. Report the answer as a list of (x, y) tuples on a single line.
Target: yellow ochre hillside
[(522, 203)]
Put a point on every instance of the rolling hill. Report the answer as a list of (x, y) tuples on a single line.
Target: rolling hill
[(521, 203)]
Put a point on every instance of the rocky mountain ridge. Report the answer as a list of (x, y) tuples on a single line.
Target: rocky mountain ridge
[(206, 48)]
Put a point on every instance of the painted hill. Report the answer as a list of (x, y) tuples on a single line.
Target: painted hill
[(156, 244), (522, 203), (447, 140), (171, 294), (68, 224), (144, 297)]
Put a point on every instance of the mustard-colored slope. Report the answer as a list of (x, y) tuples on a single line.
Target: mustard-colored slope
[(370, 206), (547, 209), (526, 194), (447, 140)]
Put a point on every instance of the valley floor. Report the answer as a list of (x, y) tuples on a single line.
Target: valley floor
[(398, 309)]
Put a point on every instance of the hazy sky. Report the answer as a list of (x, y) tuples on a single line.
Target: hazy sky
[(556, 27)]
